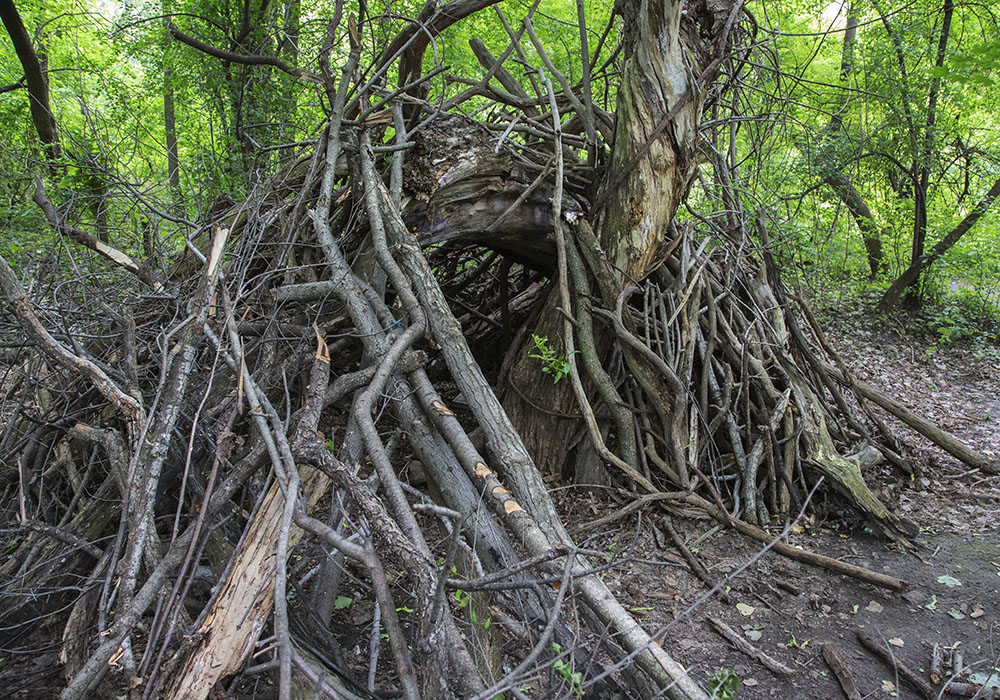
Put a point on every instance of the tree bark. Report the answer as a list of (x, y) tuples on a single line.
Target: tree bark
[(656, 137), (653, 162)]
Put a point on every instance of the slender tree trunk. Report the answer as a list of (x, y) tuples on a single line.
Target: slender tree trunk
[(846, 62), (288, 49), (926, 151), (838, 179), (170, 113), (912, 273), (170, 130), (863, 217), (38, 84)]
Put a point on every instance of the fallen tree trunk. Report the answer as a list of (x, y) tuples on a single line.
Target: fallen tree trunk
[(942, 438)]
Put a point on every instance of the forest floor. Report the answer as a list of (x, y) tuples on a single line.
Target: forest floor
[(788, 609)]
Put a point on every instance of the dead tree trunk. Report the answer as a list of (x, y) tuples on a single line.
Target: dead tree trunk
[(672, 54)]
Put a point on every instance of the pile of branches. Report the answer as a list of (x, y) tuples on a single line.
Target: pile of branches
[(355, 364)]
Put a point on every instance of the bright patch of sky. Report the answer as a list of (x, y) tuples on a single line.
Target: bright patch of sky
[(834, 16), (107, 9)]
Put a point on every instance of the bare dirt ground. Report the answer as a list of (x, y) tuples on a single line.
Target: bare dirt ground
[(788, 609)]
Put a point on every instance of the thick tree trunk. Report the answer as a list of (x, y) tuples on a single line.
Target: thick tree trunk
[(653, 162), (656, 138)]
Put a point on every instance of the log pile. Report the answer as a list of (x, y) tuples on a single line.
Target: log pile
[(320, 404)]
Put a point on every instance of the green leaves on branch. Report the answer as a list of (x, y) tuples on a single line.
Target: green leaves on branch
[(565, 669), (553, 364)]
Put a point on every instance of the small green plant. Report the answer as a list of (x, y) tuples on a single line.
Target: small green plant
[(464, 599), (553, 363), (565, 669), (723, 684), (793, 643)]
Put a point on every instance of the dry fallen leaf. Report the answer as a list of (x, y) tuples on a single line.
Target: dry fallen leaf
[(874, 607), (949, 581), (744, 609), (888, 686), (896, 642)]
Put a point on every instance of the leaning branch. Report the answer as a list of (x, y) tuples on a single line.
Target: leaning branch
[(88, 241), (830, 564), (240, 58), (13, 86), (433, 19), (19, 305), (942, 438)]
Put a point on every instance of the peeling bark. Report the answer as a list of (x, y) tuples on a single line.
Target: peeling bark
[(233, 624)]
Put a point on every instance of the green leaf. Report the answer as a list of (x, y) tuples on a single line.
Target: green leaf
[(949, 581), (342, 602), (723, 684)]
